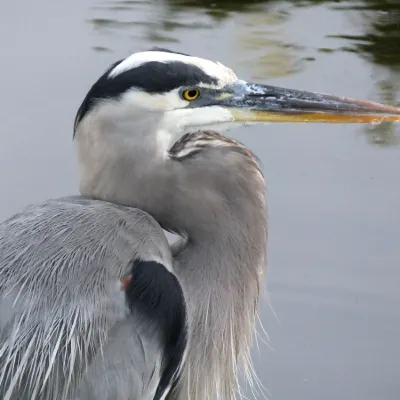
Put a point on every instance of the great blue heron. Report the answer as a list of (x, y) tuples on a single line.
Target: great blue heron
[(94, 302)]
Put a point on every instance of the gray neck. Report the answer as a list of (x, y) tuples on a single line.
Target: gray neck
[(220, 265), (222, 276), (114, 162)]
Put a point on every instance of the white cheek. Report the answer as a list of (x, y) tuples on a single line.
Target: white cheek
[(192, 118), (154, 101)]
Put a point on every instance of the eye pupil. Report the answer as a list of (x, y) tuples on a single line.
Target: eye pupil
[(191, 94)]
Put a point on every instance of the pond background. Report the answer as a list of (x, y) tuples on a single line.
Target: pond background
[(333, 190)]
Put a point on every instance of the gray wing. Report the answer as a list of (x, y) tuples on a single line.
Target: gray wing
[(68, 328)]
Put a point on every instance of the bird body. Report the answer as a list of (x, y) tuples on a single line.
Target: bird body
[(94, 303), (68, 330)]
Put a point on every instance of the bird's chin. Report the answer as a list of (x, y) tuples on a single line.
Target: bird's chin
[(221, 127)]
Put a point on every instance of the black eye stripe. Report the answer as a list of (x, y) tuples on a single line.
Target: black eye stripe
[(152, 77), (159, 77)]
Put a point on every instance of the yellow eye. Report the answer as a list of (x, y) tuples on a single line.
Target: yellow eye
[(191, 94)]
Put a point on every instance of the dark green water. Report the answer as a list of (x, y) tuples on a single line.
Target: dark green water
[(333, 191)]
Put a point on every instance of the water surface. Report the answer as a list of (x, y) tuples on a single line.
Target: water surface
[(333, 191)]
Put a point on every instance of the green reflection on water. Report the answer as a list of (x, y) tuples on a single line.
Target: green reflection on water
[(260, 35), (381, 39)]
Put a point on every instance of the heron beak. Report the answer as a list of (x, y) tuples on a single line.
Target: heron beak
[(251, 102)]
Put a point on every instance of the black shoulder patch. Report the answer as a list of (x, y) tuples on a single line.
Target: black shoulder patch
[(151, 76), (158, 294)]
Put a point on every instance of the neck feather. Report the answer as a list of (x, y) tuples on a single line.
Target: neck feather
[(222, 277)]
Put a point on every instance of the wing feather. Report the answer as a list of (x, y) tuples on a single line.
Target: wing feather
[(67, 329)]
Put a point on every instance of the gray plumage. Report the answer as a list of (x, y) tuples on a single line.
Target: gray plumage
[(61, 302), (61, 262)]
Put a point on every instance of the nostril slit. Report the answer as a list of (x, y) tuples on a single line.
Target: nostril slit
[(265, 95)]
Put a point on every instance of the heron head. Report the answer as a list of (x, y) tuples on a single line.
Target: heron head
[(179, 93)]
